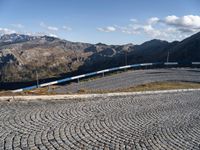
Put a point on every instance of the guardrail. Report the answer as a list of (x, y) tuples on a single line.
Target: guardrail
[(101, 72)]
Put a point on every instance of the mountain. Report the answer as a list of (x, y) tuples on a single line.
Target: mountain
[(187, 50), (22, 55), (15, 38)]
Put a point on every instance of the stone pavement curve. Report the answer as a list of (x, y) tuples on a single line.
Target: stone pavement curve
[(129, 122)]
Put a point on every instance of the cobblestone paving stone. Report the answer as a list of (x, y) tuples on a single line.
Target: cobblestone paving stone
[(149, 122)]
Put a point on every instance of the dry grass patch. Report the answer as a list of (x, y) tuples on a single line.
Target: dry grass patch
[(38, 91), (41, 91), (5, 93), (144, 87), (164, 86), (148, 87)]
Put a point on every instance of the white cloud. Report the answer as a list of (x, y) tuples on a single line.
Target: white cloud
[(130, 29), (171, 19), (134, 20), (53, 35), (67, 28), (42, 24), (18, 25), (107, 29), (169, 28), (41, 34), (141, 29), (189, 23), (50, 28), (153, 20), (148, 29), (6, 31)]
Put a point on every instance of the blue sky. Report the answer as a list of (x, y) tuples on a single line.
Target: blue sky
[(107, 21)]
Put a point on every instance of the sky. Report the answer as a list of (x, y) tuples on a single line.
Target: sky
[(105, 21)]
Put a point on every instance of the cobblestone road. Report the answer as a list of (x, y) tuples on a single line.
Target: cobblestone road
[(160, 121)]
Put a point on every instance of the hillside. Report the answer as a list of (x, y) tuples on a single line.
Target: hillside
[(22, 55)]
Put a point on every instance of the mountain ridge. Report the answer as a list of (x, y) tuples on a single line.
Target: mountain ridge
[(22, 55)]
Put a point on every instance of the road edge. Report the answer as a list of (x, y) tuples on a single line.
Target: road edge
[(83, 96)]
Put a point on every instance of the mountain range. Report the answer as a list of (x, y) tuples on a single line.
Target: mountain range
[(21, 56)]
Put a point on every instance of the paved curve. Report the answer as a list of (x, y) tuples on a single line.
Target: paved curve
[(157, 121), (133, 78)]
